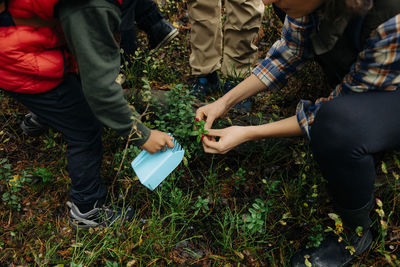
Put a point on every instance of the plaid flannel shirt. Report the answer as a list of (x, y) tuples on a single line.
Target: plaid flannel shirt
[(376, 68)]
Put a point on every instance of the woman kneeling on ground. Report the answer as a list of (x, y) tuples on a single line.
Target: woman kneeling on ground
[(357, 44)]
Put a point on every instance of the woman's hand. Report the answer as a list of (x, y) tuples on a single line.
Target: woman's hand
[(211, 112), (228, 138), (248, 87), (158, 141)]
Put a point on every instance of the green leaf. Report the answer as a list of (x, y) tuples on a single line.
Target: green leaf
[(194, 133)]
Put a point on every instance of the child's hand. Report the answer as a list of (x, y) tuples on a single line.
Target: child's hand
[(157, 141)]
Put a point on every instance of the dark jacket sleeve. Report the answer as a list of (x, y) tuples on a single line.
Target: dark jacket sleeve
[(89, 30)]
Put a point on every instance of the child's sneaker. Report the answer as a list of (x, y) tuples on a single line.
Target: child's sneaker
[(31, 126), (161, 33), (97, 217), (205, 85)]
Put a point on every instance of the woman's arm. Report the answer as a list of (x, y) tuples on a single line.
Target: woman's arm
[(248, 87), (285, 57), (233, 136)]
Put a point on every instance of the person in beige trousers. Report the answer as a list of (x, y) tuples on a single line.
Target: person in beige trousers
[(232, 52)]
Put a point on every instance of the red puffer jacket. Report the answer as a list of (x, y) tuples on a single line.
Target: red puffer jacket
[(33, 59)]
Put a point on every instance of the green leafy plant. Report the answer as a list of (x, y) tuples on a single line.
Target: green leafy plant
[(201, 205), (239, 178), (5, 169), (14, 184), (43, 173), (254, 221), (176, 117), (316, 238), (50, 141)]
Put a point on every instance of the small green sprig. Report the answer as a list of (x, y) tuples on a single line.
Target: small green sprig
[(198, 130)]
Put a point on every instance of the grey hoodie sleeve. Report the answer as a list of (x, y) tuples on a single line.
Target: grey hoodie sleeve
[(89, 28)]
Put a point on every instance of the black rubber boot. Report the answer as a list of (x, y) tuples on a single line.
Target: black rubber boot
[(332, 253)]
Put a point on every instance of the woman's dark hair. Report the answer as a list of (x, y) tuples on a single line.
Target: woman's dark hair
[(334, 8)]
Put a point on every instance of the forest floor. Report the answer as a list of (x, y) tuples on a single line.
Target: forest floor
[(255, 206)]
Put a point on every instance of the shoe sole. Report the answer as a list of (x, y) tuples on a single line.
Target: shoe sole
[(84, 224), (167, 39), (81, 223), (75, 224)]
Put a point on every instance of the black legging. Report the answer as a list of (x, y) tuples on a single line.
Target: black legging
[(347, 131)]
